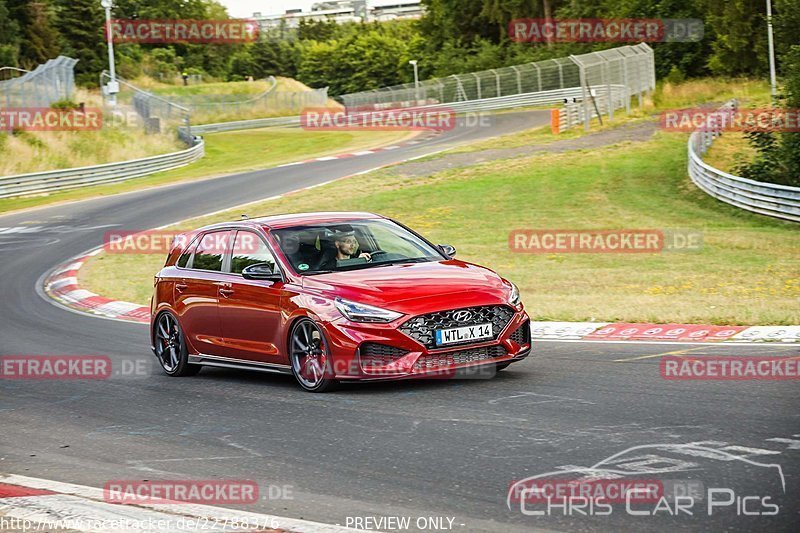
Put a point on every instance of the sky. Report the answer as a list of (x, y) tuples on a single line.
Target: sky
[(246, 8)]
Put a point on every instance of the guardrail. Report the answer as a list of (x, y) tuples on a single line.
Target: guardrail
[(246, 124), (780, 201), (72, 178), (486, 104), (509, 102), (573, 113)]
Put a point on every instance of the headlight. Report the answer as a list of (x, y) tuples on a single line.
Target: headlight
[(357, 312), (514, 298)]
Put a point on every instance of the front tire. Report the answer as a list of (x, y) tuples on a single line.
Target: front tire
[(310, 357), (171, 349)]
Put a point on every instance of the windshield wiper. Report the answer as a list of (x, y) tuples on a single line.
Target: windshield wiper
[(362, 266), (399, 261)]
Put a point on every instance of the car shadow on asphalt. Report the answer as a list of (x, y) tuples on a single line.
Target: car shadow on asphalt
[(506, 378)]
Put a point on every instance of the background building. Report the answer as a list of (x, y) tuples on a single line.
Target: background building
[(341, 11)]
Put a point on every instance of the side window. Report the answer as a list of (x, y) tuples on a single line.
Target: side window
[(183, 260), (248, 250), (210, 251)]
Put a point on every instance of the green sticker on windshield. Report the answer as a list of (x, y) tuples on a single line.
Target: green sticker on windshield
[(302, 266)]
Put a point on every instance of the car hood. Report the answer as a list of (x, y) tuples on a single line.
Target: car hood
[(415, 287)]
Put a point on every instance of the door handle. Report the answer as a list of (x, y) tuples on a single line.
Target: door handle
[(180, 287), (226, 292)]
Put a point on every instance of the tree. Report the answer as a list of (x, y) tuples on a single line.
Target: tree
[(740, 44), (319, 66), (786, 21), (9, 38), (266, 58), (778, 154), (81, 23), (39, 39), (790, 141), (242, 66)]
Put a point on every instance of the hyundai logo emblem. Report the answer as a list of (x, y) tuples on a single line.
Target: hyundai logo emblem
[(462, 316)]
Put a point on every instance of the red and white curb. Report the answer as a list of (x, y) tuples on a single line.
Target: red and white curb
[(62, 285), (55, 506), (626, 331), (359, 153)]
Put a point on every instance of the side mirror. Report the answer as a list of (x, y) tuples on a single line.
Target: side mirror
[(448, 250), (261, 271)]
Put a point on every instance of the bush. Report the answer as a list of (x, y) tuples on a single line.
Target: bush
[(675, 76), (65, 104), (778, 159)]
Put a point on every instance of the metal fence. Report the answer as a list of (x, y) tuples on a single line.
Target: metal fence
[(48, 83), (780, 201), (154, 112), (273, 100), (629, 67)]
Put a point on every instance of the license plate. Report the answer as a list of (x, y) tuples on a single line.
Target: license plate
[(463, 334)]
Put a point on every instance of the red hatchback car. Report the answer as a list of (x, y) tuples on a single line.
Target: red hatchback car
[(331, 297)]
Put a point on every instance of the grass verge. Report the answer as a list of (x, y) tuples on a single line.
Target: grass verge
[(729, 152), (666, 96), (22, 152), (228, 153), (748, 271)]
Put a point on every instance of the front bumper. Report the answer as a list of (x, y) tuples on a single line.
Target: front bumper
[(384, 352)]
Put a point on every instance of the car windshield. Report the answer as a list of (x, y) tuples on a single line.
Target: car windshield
[(358, 244)]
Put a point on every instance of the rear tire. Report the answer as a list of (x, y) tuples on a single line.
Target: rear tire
[(170, 347)]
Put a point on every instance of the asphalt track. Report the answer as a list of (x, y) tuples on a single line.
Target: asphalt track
[(413, 449)]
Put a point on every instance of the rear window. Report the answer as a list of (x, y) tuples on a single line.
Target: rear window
[(211, 250), (183, 260)]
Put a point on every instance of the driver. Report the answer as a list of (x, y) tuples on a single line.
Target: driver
[(347, 245)]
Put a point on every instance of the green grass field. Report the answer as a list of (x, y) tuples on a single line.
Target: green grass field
[(748, 271), (228, 153)]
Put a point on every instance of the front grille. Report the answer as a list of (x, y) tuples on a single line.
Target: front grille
[(374, 354), (522, 335), (472, 355), (421, 328)]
